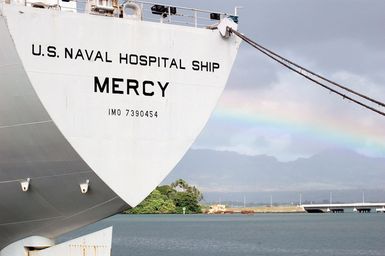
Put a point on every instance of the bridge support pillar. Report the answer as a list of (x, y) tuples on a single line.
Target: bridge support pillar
[(362, 210)]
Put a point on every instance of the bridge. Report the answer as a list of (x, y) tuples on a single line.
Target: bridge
[(339, 208)]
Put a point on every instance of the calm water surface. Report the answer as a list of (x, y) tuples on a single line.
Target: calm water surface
[(263, 234)]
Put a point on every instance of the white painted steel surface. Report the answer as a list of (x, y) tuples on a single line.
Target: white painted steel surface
[(21, 247), (60, 127), (95, 244), (31, 146), (131, 154)]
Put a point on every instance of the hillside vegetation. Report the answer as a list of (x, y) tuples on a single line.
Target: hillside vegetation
[(171, 199)]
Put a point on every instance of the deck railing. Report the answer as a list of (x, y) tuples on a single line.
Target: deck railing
[(150, 11), (181, 15)]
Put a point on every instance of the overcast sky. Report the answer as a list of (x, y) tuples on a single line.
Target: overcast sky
[(267, 109)]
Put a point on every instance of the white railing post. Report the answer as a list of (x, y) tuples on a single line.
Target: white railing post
[(169, 14), (87, 8), (196, 18)]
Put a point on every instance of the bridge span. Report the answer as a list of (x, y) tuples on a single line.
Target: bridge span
[(339, 208)]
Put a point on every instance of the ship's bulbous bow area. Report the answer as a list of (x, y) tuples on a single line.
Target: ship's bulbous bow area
[(33, 151), (112, 104)]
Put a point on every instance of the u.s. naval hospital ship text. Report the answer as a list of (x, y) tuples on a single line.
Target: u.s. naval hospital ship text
[(97, 105)]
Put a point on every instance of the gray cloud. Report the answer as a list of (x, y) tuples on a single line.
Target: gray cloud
[(343, 40), (261, 74)]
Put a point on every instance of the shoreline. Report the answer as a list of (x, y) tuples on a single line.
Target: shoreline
[(260, 209)]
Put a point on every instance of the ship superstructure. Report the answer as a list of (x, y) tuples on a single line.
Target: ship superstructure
[(98, 103)]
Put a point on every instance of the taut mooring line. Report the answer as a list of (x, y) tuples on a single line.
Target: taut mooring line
[(299, 70)]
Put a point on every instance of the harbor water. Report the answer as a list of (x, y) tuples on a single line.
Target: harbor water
[(347, 234)]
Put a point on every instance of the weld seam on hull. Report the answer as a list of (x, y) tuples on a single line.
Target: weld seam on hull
[(93, 207), (25, 124), (46, 177), (30, 221), (58, 217), (9, 65)]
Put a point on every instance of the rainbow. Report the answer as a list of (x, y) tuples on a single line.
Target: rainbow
[(362, 138)]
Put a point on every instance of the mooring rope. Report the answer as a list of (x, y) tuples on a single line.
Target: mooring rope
[(305, 73)]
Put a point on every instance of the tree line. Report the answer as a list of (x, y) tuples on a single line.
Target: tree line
[(176, 198)]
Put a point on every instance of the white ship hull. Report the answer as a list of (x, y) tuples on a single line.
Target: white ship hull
[(113, 101)]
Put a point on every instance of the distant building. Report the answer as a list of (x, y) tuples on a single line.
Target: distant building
[(217, 208)]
